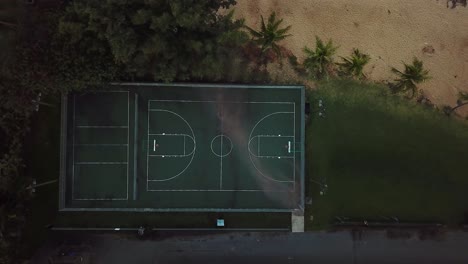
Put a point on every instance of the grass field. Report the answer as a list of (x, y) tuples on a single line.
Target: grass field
[(383, 156)]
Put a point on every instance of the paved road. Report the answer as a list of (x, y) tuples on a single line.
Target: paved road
[(320, 247)]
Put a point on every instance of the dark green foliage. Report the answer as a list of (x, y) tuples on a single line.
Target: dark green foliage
[(353, 66), (160, 40), (270, 34), (319, 62), (408, 78)]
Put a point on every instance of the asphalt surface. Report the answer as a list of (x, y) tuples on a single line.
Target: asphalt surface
[(318, 247)]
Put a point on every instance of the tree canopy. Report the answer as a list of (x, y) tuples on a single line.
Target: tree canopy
[(160, 40), (412, 75), (318, 62)]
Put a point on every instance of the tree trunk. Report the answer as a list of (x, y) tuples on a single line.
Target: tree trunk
[(456, 107)]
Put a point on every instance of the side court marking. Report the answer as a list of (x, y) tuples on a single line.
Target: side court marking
[(101, 145), (250, 138), (192, 153)]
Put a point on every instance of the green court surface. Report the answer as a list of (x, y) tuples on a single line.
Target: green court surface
[(183, 147)]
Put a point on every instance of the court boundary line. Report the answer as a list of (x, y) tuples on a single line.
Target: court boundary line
[(221, 151), (101, 127), (106, 145), (192, 154), (294, 150), (207, 85), (147, 143), (100, 162), (73, 150), (229, 102), (128, 138), (100, 199), (135, 148), (219, 190)]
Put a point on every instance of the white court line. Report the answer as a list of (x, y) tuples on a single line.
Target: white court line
[(172, 134), (274, 157), (135, 147), (73, 149), (188, 190), (101, 199), (274, 136), (147, 149), (172, 155), (230, 102), (251, 138), (169, 155), (294, 151), (221, 154), (154, 145), (100, 162), (128, 137), (258, 146), (101, 126), (113, 91), (102, 145), (191, 154)]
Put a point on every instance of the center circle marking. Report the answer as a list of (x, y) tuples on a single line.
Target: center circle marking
[(216, 146)]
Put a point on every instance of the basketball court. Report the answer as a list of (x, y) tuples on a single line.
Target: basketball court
[(183, 147)]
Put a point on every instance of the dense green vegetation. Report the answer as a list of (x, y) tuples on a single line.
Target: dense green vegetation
[(159, 40), (381, 155)]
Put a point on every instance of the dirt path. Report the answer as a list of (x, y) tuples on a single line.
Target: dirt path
[(390, 31)]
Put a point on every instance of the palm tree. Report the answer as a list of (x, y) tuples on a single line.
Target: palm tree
[(270, 34), (318, 62), (354, 65), (413, 74), (462, 101)]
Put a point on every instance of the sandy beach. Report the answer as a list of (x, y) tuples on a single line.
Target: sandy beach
[(390, 31)]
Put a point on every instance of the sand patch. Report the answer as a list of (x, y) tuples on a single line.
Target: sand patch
[(390, 31)]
